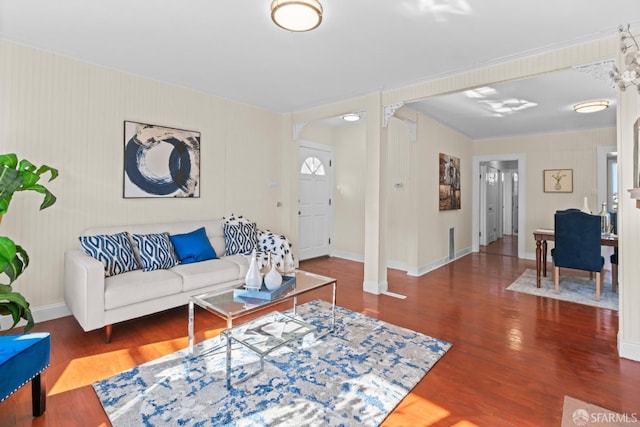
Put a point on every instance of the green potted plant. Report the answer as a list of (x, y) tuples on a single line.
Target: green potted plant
[(18, 176)]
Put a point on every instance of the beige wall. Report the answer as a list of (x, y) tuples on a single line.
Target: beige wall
[(433, 139), (70, 114), (565, 150), (349, 184), (417, 232), (350, 166)]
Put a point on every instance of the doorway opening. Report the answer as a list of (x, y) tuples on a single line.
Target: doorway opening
[(498, 204)]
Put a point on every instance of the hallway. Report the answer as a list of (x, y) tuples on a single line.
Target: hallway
[(507, 245)]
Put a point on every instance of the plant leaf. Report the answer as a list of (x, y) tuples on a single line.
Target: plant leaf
[(44, 169), (23, 176), (9, 160), (18, 307), (13, 259)]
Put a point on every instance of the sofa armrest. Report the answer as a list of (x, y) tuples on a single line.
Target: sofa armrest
[(280, 249), (84, 288)]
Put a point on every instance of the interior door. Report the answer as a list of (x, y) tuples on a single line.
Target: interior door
[(314, 201), (493, 200)]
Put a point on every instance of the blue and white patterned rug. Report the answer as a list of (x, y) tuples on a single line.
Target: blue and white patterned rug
[(581, 290), (353, 377)]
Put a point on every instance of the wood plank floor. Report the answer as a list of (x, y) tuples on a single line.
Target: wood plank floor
[(514, 356)]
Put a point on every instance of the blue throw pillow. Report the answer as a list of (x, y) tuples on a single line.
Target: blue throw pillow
[(156, 251), (240, 238), (113, 250), (193, 247)]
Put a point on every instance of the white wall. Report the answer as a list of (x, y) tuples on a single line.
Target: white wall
[(70, 115)]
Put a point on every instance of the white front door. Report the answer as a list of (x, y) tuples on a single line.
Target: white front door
[(314, 200)]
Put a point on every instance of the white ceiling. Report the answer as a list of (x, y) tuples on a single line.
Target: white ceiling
[(554, 94), (231, 49)]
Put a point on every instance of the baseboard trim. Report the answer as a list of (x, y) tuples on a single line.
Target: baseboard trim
[(437, 264), (376, 288), (349, 256), (397, 265), (628, 350), (40, 314)]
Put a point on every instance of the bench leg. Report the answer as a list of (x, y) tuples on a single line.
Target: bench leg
[(107, 333), (38, 395)]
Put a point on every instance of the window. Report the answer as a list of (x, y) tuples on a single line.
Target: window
[(312, 166)]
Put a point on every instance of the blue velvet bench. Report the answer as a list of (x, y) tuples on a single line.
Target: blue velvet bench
[(23, 358)]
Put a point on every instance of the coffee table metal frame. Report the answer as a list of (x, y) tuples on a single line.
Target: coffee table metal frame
[(224, 305)]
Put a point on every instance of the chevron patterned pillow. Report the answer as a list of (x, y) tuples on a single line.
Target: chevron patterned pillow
[(156, 251), (240, 238), (113, 250)]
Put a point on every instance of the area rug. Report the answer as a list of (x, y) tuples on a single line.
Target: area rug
[(353, 377), (581, 290), (578, 413)]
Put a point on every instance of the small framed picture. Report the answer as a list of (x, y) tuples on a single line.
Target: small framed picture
[(558, 180)]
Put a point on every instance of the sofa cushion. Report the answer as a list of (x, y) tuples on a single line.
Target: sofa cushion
[(207, 273), (193, 247), (113, 250), (137, 286), (240, 238), (155, 251)]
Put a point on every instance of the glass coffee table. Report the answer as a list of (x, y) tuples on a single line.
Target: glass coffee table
[(266, 333)]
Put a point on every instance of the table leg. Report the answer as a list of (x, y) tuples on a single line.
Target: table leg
[(227, 334), (544, 258), (295, 304), (333, 308), (191, 328), (538, 261)]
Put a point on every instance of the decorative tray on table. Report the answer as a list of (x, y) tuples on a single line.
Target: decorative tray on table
[(241, 294)]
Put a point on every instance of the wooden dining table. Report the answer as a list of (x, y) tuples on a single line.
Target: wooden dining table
[(542, 235)]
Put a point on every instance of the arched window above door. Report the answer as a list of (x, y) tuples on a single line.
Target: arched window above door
[(312, 166)]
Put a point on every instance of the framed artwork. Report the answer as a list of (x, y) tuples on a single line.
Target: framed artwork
[(449, 182), (558, 180), (160, 161)]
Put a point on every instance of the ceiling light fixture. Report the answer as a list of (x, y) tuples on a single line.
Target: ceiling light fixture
[(296, 15), (351, 117), (591, 106)]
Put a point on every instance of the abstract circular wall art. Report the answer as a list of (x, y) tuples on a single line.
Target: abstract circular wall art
[(160, 161)]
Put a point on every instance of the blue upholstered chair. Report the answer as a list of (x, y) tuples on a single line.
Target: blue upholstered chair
[(577, 245), (23, 358)]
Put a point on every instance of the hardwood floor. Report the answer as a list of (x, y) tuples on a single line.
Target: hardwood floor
[(514, 356), (507, 245)]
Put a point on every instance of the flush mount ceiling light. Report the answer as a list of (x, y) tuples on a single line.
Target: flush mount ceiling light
[(351, 117), (296, 15), (591, 106)]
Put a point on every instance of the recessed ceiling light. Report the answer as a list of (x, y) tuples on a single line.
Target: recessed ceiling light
[(351, 117), (591, 106)]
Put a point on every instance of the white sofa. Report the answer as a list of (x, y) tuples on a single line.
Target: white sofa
[(97, 301)]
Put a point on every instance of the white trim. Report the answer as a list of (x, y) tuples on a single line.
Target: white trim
[(396, 265), (522, 173), (601, 168), (628, 350), (395, 295), (415, 272), (350, 256), (331, 173), (40, 314), (376, 288)]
